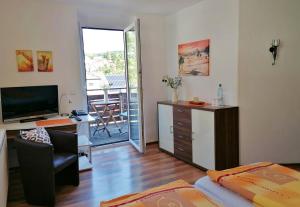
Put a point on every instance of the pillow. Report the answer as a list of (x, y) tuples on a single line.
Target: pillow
[(36, 135)]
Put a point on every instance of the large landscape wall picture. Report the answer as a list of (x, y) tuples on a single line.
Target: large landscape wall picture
[(193, 58)]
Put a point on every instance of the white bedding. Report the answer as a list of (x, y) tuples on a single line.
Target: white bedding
[(220, 194)]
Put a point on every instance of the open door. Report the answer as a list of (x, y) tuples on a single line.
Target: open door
[(134, 85)]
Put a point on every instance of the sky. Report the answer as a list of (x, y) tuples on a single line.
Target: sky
[(99, 41)]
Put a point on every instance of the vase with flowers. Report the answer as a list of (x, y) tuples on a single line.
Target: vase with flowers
[(105, 88), (174, 83)]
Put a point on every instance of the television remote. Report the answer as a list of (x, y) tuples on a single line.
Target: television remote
[(77, 118)]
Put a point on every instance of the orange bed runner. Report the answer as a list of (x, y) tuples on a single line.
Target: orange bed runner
[(54, 122)]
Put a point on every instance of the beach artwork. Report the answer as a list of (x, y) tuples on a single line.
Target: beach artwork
[(193, 58)]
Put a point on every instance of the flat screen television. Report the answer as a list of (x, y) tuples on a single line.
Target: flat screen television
[(19, 103)]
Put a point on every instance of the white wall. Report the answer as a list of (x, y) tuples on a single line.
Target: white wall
[(52, 25), (40, 25), (269, 95), (217, 21)]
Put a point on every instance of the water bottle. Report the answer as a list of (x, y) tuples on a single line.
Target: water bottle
[(220, 95)]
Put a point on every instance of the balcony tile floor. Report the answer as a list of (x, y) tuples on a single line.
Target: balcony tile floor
[(102, 138)]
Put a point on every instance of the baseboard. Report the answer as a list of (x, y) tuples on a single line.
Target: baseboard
[(150, 143), (151, 140)]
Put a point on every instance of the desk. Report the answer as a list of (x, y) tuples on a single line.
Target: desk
[(29, 125), (13, 129)]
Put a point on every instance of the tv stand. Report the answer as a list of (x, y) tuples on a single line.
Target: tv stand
[(32, 119)]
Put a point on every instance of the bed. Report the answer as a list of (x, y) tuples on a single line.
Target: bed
[(259, 184)]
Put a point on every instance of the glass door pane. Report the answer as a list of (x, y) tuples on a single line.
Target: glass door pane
[(134, 85), (104, 52)]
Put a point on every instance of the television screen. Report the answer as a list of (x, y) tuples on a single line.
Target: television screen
[(26, 102)]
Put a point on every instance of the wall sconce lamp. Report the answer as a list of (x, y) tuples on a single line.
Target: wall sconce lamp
[(273, 50)]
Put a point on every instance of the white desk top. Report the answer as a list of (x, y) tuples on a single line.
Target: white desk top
[(30, 125)]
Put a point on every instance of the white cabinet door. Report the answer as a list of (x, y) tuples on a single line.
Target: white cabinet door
[(165, 119), (203, 134)]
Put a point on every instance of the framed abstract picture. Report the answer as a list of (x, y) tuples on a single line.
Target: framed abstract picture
[(24, 60), (45, 61), (193, 58)]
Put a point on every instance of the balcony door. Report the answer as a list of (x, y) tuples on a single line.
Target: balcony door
[(134, 85)]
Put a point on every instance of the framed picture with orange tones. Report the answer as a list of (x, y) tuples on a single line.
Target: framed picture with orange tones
[(193, 58), (24, 60), (45, 61)]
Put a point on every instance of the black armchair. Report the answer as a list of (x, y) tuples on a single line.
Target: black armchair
[(43, 165)]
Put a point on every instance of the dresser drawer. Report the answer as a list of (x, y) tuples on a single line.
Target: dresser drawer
[(183, 147), (182, 125), (184, 143), (182, 113), (183, 151), (182, 133)]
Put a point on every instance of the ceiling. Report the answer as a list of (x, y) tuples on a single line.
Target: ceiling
[(163, 7)]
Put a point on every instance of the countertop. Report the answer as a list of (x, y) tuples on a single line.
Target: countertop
[(206, 107)]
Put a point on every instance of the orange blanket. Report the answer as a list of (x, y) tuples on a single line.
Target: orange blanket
[(265, 184), (178, 193)]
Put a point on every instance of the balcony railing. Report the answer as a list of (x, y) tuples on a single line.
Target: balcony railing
[(114, 94)]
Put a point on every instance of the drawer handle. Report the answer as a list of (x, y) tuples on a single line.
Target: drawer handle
[(179, 123), (180, 136), (180, 110), (180, 149)]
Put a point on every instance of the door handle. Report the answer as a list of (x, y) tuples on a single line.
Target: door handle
[(171, 129), (193, 139)]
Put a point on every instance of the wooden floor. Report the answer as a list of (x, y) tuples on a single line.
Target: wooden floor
[(121, 170)]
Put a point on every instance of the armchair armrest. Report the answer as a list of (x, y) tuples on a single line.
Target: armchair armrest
[(64, 141), (33, 154)]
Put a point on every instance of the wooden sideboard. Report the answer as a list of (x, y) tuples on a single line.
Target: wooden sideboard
[(205, 136)]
